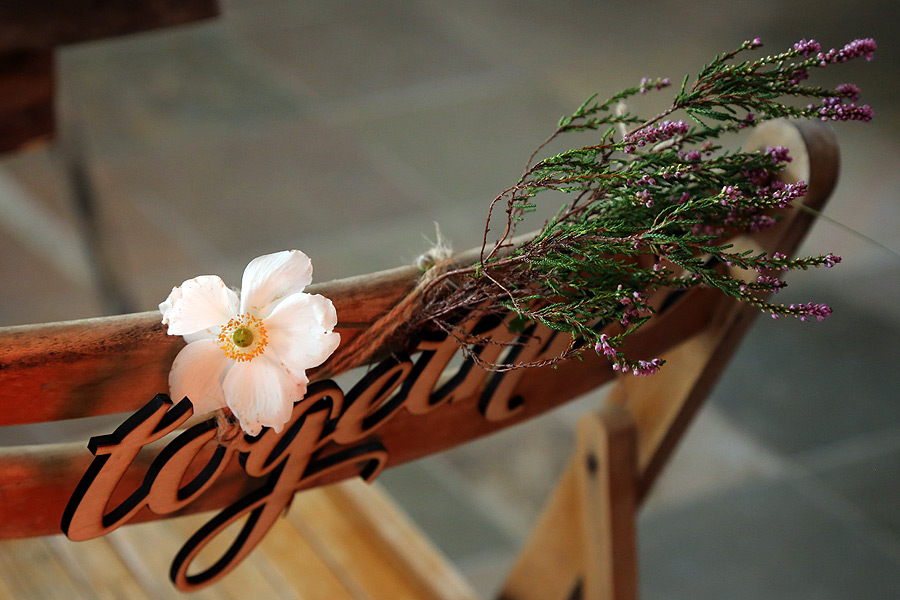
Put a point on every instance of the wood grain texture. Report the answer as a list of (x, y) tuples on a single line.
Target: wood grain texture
[(584, 539), (391, 531), (372, 547), (606, 481), (37, 24), (116, 364)]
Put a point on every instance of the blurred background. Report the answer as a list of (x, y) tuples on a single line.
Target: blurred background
[(348, 129)]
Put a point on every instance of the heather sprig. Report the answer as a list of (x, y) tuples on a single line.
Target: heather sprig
[(653, 204)]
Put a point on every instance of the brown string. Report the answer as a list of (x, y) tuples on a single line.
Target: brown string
[(363, 347), (228, 429)]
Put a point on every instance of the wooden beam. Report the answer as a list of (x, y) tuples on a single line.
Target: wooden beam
[(36, 24), (583, 545), (26, 98)]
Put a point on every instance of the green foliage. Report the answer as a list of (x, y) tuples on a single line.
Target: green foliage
[(653, 204)]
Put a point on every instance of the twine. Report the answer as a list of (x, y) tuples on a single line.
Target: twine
[(228, 429), (363, 347)]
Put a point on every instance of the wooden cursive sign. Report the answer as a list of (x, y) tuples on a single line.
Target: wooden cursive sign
[(330, 433)]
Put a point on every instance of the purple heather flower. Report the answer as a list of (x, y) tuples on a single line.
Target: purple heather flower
[(692, 156), (831, 260), (807, 47), (773, 283), (798, 76), (647, 367), (759, 177), (748, 120), (789, 193), (862, 47), (657, 133), (849, 91), (636, 305), (603, 347), (833, 109), (761, 223), (779, 154), (658, 84), (730, 194), (804, 311)]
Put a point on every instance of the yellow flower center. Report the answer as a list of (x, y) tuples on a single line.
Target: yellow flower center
[(243, 338)]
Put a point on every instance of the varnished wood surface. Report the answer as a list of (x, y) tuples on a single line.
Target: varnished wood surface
[(584, 540), (116, 364), (57, 371)]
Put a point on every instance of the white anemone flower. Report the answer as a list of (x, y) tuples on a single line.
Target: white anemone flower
[(250, 352)]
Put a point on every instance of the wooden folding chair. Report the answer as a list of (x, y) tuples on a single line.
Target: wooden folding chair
[(347, 540)]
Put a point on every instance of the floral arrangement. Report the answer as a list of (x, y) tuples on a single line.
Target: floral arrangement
[(654, 202)]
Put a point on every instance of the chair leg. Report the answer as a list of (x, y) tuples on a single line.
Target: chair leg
[(584, 543)]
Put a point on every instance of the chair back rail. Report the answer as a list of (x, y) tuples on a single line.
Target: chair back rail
[(111, 365)]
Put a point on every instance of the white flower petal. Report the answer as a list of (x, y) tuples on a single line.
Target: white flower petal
[(200, 303), (197, 373), (203, 334), (300, 331), (270, 278), (261, 394)]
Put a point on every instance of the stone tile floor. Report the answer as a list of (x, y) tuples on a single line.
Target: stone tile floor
[(349, 128)]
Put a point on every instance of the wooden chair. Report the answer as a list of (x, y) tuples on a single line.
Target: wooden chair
[(347, 540)]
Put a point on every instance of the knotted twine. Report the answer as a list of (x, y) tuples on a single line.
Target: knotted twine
[(364, 346)]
